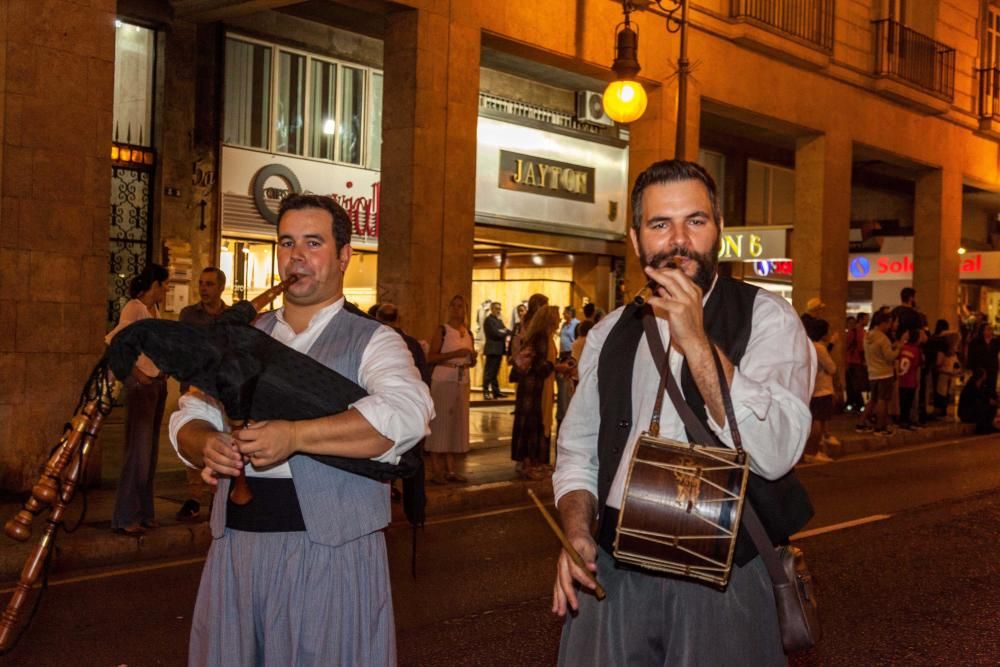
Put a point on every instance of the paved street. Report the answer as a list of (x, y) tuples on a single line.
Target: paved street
[(912, 582)]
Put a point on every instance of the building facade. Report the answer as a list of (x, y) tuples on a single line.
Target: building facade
[(844, 134)]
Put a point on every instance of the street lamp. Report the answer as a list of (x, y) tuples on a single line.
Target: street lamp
[(625, 99)]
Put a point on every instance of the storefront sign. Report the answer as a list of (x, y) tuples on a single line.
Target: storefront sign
[(265, 193), (745, 244), (532, 179), (254, 183), (528, 173), (769, 267), (980, 265)]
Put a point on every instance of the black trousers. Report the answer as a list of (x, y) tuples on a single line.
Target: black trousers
[(490, 370)]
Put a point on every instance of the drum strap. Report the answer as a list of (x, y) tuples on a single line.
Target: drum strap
[(661, 358)]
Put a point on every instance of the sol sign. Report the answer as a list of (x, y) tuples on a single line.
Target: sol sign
[(900, 267)]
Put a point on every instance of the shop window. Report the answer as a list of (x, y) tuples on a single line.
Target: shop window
[(289, 134), (247, 94), (324, 111), (250, 265), (770, 194), (133, 96), (352, 109), (375, 123)]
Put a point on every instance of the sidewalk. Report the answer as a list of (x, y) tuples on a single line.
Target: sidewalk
[(492, 485)]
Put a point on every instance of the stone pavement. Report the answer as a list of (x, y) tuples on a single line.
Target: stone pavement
[(492, 485)]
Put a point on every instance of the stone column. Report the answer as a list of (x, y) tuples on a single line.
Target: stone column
[(937, 233), (428, 165), (56, 93), (652, 138), (186, 166), (590, 279), (822, 224)]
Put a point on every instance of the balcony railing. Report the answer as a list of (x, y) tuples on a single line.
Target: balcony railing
[(808, 20), (989, 92), (503, 105), (914, 58)]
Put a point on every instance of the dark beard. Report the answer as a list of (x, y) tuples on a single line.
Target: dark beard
[(708, 263)]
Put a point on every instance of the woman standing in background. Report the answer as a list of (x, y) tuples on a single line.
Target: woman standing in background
[(451, 354), (531, 438), (146, 393)]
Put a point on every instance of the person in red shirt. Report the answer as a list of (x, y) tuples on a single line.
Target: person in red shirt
[(908, 375)]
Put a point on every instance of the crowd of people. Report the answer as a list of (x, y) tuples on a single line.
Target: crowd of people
[(900, 374)]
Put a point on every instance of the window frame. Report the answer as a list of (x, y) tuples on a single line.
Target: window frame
[(769, 169), (339, 64)]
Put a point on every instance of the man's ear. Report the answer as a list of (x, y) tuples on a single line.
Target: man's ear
[(635, 241), (345, 256)]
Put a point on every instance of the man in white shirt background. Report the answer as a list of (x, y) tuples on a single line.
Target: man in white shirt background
[(769, 365), (300, 573)]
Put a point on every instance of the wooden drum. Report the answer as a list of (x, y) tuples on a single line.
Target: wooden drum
[(681, 508)]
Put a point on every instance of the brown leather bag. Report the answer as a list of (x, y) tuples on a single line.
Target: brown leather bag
[(794, 588)]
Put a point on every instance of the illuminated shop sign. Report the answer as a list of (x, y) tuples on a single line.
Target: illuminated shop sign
[(773, 268), (274, 182), (740, 245), (527, 173), (900, 267)]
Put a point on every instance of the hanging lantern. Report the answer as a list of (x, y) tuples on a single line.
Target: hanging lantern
[(625, 99)]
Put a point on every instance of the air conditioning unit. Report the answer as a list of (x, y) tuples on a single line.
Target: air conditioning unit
[(590, 109)]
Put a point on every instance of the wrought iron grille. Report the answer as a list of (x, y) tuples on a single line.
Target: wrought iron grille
[(915, 58), (808, 20), (989, 92), (131, 212)]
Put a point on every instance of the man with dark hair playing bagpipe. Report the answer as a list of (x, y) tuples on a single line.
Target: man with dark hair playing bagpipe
[(299, 574), (764, 362)]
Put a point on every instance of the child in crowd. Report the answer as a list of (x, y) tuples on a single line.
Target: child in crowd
[(908, 365)]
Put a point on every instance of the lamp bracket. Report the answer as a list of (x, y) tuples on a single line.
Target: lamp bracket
[(671, 10)]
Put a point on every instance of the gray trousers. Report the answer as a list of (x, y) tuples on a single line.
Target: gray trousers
[(280, 599), (144, 404), (647, 619)]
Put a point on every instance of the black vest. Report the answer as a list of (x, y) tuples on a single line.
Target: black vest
[(782, 504)]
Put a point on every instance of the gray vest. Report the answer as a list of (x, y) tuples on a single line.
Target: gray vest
[(337, 506)]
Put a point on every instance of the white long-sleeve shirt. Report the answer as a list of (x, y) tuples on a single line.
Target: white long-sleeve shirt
[(770, 391), (398, 404)]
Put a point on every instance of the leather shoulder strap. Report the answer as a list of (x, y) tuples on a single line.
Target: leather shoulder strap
[(693, 425)]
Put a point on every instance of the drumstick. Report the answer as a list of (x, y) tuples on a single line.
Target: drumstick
[(598, 590)]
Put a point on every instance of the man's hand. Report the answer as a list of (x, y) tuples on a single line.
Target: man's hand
[(678, 300), (266, 443), (568, 574), (220, 457), (141, 377), (576, 509)]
